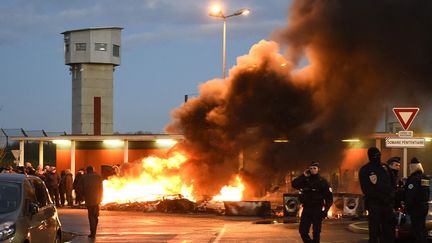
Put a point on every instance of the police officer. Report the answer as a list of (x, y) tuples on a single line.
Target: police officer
[(315, 194), (394, 168), (416, 200), (376, 185)]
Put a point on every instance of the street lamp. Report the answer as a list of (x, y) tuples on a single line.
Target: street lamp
[(216, 11)]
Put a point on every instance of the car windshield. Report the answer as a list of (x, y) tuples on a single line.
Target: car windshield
[(10, 196)]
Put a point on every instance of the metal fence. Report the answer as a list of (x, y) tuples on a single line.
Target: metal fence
[(5, 134), (6, 145)]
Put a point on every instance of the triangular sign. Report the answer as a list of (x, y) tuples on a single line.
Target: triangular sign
[(16, 154), (406, 115)]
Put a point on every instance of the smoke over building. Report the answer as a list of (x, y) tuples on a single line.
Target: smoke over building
[(362, 56)]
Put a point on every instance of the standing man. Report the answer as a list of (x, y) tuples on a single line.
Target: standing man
[(68, 184), (62, 187), (376, 185), (53, 183), (92, 188), (416, 200), (394, 167), (77, 186), (315, 194)]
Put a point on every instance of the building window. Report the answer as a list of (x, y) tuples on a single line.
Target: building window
[(80, 46), (116, 50), (66, 47), (101, 46)]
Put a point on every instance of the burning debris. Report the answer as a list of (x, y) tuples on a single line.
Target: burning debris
[(345, 61), (231, 193), (151, 179), (248, 208), (149, 185)]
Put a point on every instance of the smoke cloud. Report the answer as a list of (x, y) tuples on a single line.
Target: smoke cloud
[(362, 57)]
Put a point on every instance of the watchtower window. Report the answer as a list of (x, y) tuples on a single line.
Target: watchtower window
[(101, 46), (80, 46), (66, 47), (116, 50)]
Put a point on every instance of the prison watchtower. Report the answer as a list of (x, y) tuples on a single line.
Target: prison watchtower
[(92, 55)]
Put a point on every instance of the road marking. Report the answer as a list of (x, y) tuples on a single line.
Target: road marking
[(354, 225), (220, 234)]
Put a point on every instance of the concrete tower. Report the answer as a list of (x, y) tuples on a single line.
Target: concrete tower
[(92, 55)]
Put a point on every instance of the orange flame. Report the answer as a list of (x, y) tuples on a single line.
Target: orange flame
[(231, 193), (159, 178)]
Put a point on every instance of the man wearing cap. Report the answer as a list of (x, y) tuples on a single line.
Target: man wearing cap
[(416, 200), (315, 194), (394, 168), (376, 185)]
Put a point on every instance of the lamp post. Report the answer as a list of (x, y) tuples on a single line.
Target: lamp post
[(216, 11), (186, 96)]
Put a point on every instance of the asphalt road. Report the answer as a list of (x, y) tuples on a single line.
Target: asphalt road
[(116, 226)]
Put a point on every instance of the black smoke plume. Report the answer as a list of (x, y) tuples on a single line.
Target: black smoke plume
[(362, 56)]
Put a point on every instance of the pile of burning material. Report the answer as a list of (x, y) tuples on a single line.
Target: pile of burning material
[(152, 179), (248, 208), (176, 205), (150, 206), (209, 206), (169, 204), (156, 185)]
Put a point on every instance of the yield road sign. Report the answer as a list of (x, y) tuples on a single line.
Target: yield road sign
[(16, 154), (405, 116)]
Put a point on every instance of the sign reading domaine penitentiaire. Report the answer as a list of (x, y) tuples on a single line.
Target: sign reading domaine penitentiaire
[(405, 142)]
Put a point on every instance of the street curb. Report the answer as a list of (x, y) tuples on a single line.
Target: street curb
[(359, 227)]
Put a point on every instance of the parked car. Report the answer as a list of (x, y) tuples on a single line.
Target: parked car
[(27, 213)]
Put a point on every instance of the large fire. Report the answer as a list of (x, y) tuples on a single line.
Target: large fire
[(157, 178), (231, 192)]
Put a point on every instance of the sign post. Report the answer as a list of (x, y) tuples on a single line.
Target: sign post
[(406, 138)]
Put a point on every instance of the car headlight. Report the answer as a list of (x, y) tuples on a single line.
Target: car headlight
[(7, 230)]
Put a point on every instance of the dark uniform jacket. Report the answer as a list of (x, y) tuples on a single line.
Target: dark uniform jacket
[(68, 181), (417, 193), (398, 188), (376, 184), (53, 180), (77, 182), (314, 191), (92, 188)]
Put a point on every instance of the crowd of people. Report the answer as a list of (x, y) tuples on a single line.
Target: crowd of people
[(87, 185), (60, 186)]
